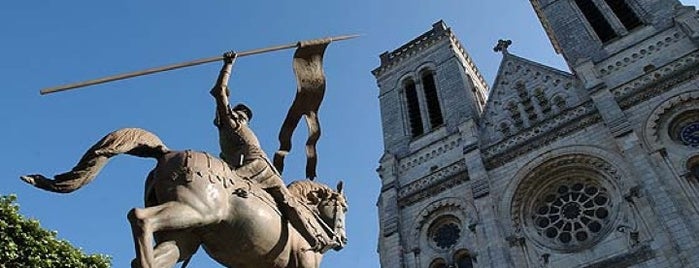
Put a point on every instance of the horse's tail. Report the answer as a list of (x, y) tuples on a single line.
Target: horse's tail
[(132, 141)]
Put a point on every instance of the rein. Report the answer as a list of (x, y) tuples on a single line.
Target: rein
[(332, 231)]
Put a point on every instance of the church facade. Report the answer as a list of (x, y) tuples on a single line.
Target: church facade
[(595, 166)]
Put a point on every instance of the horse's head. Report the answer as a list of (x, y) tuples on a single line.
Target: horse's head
[(333, 209), (330, 205)]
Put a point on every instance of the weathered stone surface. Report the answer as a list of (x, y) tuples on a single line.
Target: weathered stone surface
[(606, 149)]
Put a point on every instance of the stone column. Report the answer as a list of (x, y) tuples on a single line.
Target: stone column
[(389, 248), (492, 245), (654, 200)]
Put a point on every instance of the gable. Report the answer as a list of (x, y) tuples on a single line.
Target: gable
[(524, 94)]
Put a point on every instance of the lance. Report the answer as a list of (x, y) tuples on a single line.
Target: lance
[(180, 65)]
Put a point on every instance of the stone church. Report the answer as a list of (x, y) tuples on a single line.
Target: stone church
[(595, 166)]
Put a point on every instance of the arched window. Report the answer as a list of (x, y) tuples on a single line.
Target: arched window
[(625, 14), (560, 102), (694, 170), (413, 104), (505, 129), (599, 23), (543, 102), (433, 109), (516, 116), (463, 260), (620, 9)]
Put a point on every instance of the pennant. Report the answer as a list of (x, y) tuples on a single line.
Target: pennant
[(310, 89)]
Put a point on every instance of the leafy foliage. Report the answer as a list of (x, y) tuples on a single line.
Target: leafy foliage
[(23, 243)]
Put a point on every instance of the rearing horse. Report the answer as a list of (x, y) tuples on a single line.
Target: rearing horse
[(194, 199)]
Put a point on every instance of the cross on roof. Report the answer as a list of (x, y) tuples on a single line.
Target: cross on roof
[(502, 45)]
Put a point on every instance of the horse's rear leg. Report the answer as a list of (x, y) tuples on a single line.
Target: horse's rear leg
[(172, 247), (168, 216)]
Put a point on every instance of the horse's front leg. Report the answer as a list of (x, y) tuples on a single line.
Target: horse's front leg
[(168, 216)]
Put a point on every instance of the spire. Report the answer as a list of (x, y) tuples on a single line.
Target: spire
[(502, 45)]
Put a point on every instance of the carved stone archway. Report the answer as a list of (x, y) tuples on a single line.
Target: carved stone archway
[(656, 130), (567, 199), (462, 212)]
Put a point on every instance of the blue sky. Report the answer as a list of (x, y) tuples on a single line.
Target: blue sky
[(49, 43)]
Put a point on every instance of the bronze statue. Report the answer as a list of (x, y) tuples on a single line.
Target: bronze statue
[(237, 208), (194, 199)]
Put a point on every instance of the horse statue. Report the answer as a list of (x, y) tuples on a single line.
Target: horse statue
[(193, 199)]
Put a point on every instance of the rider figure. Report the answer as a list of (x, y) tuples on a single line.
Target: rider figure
[(241, 150)]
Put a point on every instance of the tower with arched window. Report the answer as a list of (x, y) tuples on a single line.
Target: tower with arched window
[(430, 91), (593, 166)]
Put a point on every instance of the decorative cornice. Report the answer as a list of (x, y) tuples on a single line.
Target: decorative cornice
[(433, 184), (430, 179), (390, 59), (649, 47), (470, 147), (658, 81), (429, 152), (541, 134)]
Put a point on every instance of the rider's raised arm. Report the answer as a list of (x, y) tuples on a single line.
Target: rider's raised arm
[(220, 90)]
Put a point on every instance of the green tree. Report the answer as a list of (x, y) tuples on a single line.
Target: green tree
[(23, 243)]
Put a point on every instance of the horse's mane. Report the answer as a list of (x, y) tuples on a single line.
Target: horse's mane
[(307, 190)]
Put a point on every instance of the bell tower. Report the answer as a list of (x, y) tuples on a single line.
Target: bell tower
[(430, 91), (428, 85), (597, 29), (609, 42)]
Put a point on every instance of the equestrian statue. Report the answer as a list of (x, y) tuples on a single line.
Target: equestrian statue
[(236, 207)]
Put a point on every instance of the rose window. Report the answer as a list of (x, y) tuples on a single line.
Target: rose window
[(446, 235), (444, 232), (571, 214), (689, 134), (684, 128)]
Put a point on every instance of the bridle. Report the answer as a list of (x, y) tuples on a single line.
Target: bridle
[(337, 209), (336, 227)]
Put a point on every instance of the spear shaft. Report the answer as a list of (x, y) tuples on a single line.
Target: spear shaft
[(178, 65)]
